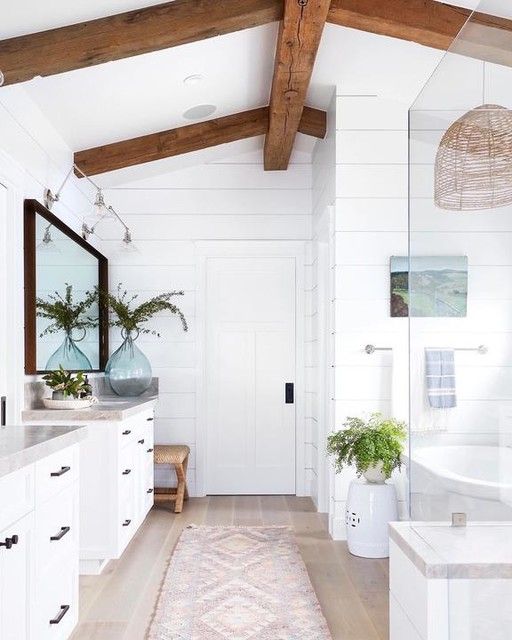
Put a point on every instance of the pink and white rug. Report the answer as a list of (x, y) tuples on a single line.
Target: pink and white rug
[(237, 583)]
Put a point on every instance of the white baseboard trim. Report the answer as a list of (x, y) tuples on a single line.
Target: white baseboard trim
[(337, 528)]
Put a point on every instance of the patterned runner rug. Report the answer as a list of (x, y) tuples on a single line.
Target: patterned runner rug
[(237, 583)]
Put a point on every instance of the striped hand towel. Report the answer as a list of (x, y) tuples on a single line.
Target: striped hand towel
[(440, 377)]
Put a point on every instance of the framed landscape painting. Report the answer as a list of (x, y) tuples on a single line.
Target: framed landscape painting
[(436, 287)]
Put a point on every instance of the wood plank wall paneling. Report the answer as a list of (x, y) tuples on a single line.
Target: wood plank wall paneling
[(233, 199)]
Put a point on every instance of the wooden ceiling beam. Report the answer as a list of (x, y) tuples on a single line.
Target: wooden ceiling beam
[(129, 34), (423, 21), (194, 137), (175, 23), (298, 40)]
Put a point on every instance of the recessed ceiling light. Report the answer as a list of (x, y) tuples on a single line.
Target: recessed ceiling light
[(199, 111), (193, 79)]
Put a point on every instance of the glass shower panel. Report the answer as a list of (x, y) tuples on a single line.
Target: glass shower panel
[(459, 294)]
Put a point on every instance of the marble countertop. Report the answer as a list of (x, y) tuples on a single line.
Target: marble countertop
[(479, 551), (21, 446), (109, 408)]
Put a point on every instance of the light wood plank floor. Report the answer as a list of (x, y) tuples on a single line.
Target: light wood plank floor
[(353, 592)]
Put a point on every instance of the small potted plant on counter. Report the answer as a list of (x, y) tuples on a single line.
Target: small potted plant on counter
[(373, 447), (69, 390)]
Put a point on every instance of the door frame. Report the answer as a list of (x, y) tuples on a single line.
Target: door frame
[(12, 177), (249, 249)]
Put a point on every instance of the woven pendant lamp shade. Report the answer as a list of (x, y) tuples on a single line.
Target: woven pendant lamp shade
[(474, 161)]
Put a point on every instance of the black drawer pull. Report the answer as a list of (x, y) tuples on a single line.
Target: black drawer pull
[(149, 419), (61, 534), (149, 491), (150, 450), (64, 608), (127, 432), (63, 470), (9, 542), (126, 523), (141, 441), (126, 472)]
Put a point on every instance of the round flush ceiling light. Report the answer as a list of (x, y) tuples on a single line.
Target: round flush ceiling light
[(193, 79), (199, 111)]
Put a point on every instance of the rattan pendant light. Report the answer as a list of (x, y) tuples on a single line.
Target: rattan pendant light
[(474, 161)]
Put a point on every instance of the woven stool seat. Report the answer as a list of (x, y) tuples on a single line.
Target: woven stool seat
[(175, 455), (171, 453)]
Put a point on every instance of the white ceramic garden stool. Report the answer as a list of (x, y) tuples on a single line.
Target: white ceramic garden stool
[(370, 507)]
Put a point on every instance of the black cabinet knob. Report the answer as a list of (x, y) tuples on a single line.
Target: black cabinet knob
[(149, 419), (150, 450), (141, 441), (126, 523), (126, 472), (149, 491)]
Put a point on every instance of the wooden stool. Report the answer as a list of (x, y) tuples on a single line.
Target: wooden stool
[(175, 455)]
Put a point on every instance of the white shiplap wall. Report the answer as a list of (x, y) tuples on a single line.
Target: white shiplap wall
[(370, 226), (319, 343), (170, 216), (33, 156)]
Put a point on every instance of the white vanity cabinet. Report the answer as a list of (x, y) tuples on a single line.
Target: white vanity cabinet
[(39, 548), (116, 464)]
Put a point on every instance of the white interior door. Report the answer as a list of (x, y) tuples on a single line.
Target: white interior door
[(3, 296), (250, 357)]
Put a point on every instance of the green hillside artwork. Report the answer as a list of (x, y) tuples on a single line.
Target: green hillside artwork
[(436, 288)]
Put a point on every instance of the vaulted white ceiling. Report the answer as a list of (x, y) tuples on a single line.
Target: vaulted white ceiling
[(146, 93)]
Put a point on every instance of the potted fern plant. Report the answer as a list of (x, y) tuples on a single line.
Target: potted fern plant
[(128, 370), (373, 446)]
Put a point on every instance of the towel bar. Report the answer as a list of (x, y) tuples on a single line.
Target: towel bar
[(371, 348), (482, 349)]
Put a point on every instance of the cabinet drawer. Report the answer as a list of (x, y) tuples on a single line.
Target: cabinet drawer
[(57, 610), (135, 428), (55, 473), (16, 495), (57, 528)]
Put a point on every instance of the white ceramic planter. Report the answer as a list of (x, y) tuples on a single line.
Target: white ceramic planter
[(375, 474)]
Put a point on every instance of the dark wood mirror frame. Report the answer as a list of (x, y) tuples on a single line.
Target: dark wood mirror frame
[(31, 208)]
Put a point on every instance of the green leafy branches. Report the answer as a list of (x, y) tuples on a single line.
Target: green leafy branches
[(71, 384), (365, 444), (65, 314), (132, 318)]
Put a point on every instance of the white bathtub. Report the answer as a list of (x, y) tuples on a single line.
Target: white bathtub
[(483, 472)]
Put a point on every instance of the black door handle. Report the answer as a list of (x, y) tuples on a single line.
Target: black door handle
[(141, 441), (64, 608), (61, 534), (62, 471), (127, 432), (3, 411), (126, 523), (289, 393), (8, 542), (149, 419), (126, 472), (149, 491), (150, 450)]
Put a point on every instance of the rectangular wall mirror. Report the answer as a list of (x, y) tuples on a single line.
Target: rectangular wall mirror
[(65, 324)]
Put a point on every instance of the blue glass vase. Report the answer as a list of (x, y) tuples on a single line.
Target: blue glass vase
[(128, 370), (69, 356)]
